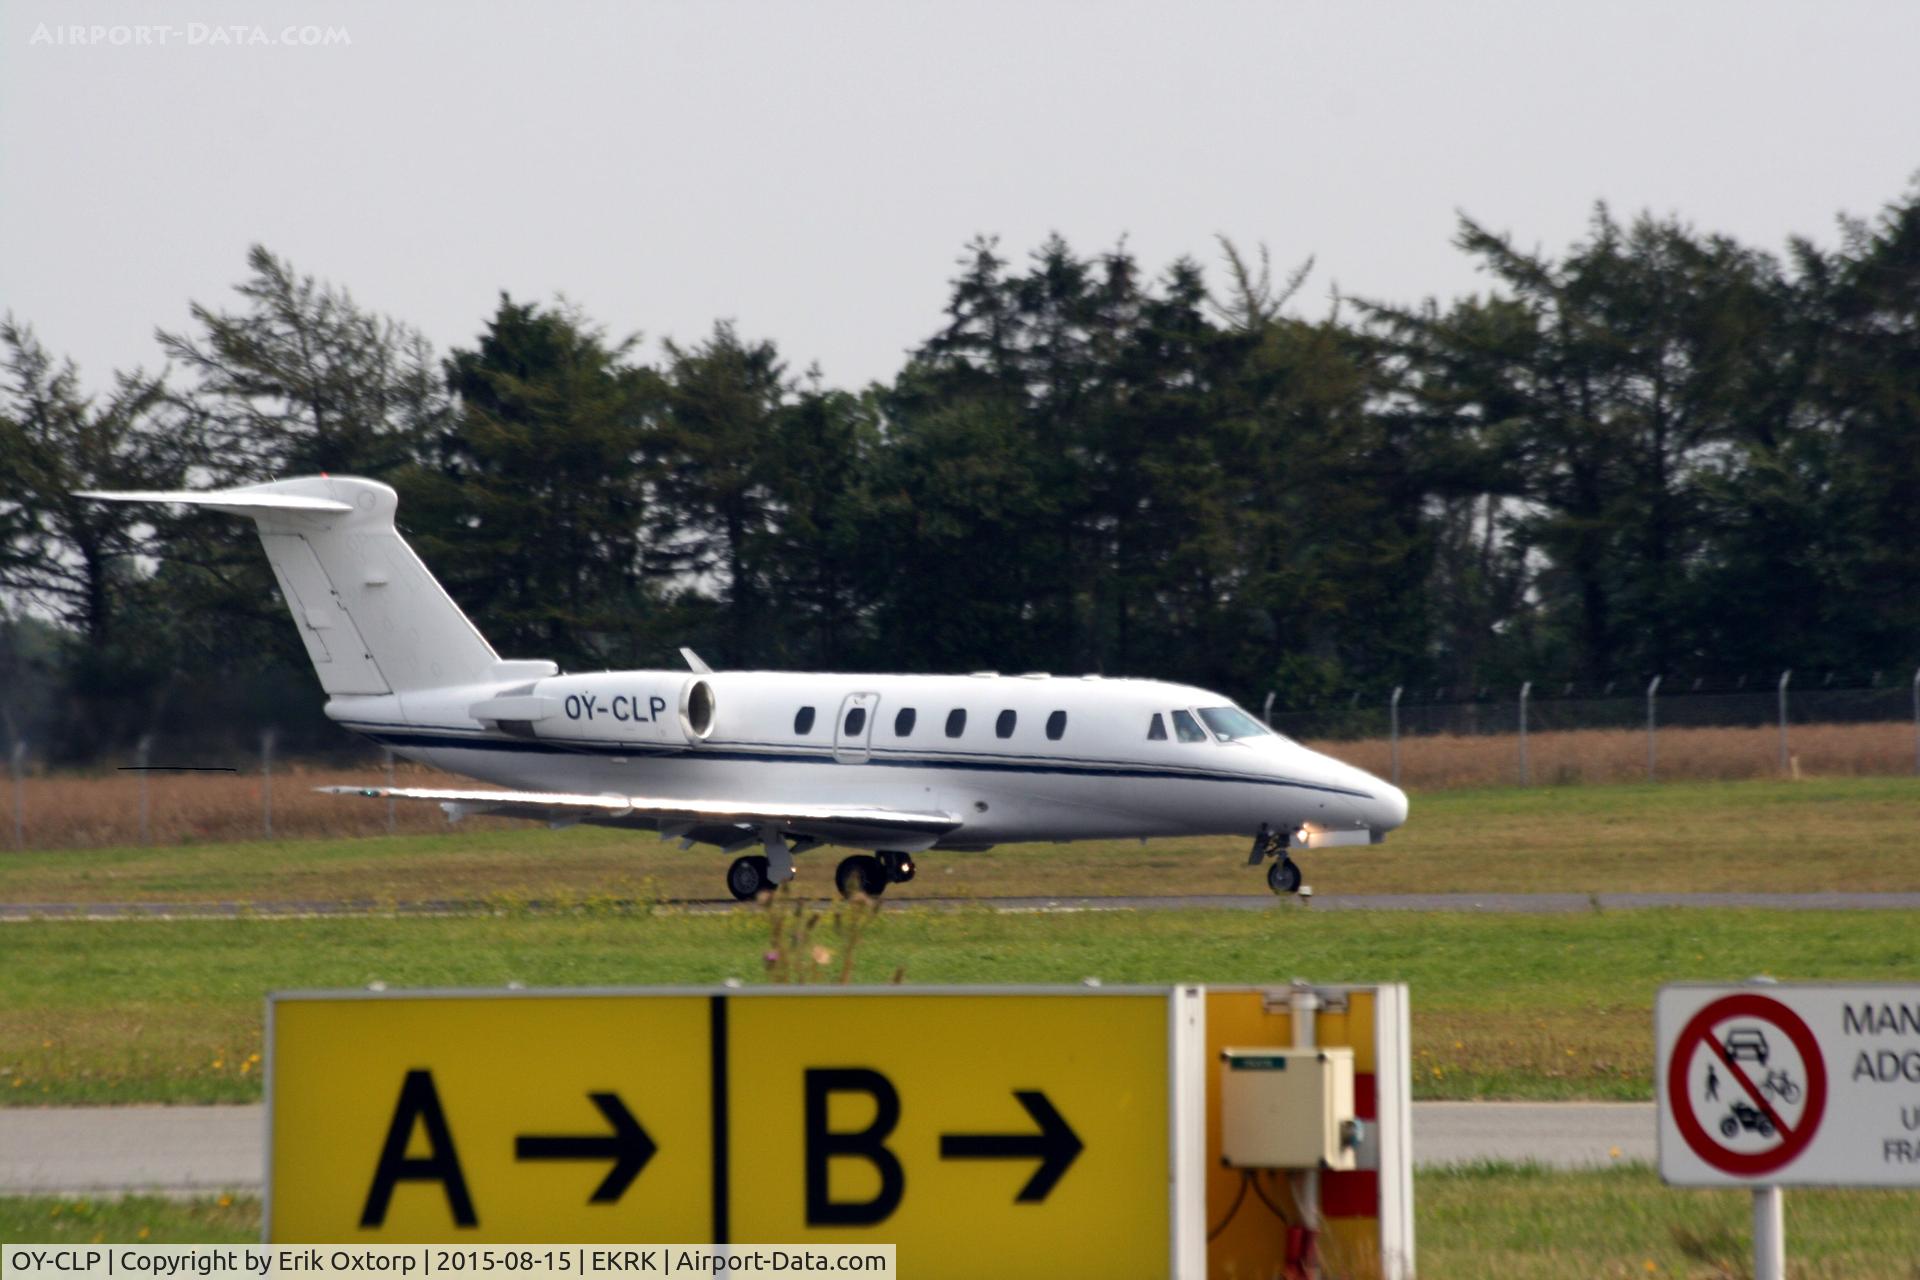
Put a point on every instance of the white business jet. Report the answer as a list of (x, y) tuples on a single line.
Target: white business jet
[(773, 761)]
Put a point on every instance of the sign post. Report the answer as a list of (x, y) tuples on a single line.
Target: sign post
[(1769, 1234), (1775, 1085)]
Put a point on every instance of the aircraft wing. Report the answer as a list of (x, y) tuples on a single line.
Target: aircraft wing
[(717, 821)]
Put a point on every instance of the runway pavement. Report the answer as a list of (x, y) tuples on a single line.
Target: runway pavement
[(1520, 903), (205, 1150)]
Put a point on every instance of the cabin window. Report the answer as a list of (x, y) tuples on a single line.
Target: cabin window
[(903, 722), (1186, 728), (856, 722), (1056, 726), (1157, 728), (956, 722), (1003, 726), (803, 722), (1230, 723)]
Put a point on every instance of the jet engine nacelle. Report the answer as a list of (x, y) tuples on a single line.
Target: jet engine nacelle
[(645, 708)]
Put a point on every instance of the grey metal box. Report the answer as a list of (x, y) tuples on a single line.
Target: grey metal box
[(1286, 1108)]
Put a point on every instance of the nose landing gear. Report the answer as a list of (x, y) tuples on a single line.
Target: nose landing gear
[(1284, 875)]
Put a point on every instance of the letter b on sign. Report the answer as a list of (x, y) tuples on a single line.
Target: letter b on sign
[(868, 1144)]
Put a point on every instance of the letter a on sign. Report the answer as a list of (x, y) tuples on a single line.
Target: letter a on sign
[(419, 1104)]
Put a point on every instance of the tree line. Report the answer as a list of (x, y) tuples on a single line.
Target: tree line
[(1657, 450)]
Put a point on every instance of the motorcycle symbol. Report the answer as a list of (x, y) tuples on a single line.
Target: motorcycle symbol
[(1745, 1117)]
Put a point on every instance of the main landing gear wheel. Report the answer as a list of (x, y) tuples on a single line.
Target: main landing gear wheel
[(897, 866), (1284, 876), (860, 873), (748, 877)]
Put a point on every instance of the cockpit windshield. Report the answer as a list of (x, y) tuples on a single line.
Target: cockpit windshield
[(1231, 723)]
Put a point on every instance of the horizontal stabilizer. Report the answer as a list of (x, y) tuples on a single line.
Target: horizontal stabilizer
[(896, 828), (373, 620), (242, 500)]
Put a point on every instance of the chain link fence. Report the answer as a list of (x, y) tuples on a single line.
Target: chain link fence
[(1565, 733)]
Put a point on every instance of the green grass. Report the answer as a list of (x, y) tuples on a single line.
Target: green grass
[(1549, 1006), (1526, 1223), (1776, 836), (1516, 1222), (132, 1220)]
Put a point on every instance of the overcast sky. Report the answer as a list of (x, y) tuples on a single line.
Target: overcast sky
[(812, 170)]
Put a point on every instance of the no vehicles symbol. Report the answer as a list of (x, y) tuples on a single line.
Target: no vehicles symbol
[(1746, 1084)]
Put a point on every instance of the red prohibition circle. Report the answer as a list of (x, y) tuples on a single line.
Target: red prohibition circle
[(1680, 1098)]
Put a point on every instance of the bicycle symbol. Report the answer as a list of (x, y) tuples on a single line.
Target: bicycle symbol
[(1781, 1086)]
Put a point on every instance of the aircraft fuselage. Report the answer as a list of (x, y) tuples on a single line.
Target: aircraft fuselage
[(1016, 757)]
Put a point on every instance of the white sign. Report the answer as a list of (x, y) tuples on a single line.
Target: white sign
[(1788, 1085)]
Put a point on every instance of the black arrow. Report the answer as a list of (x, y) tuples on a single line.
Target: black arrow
[(1056, 1146), (628, 1146)]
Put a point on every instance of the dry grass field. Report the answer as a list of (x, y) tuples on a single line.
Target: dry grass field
[(1572, 757), (85, 810), (64, 811)]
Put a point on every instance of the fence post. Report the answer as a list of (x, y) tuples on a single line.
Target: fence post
[(1653, 688), (1393, 724), (388, 752), (1785, 676), (1266, 714), (266, 782), (1916, 721), (1526, 691), (17, 763), (143, 756)]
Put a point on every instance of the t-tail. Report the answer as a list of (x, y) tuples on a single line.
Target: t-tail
[(374, 620)]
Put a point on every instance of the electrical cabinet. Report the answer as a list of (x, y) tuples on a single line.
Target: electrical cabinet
[(1287, 1108)]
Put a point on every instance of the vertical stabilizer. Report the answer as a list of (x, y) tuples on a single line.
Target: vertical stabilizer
[(373, 619)]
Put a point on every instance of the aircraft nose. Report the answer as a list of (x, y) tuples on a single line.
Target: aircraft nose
[(1390, 807), (1376, 804)]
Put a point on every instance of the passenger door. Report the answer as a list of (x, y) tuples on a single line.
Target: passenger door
[(853, 727)]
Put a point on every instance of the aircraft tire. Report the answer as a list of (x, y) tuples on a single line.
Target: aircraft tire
[(899, 867), (860, 873), (748, 877), (1284, 876)]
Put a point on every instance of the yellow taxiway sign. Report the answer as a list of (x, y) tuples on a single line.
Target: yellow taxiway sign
[(1031, 1131)]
